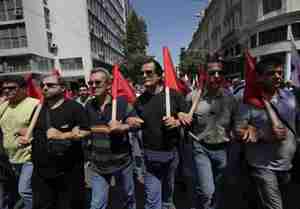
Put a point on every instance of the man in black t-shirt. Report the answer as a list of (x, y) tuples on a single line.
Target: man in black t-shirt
[(57, 155), (160, 137)]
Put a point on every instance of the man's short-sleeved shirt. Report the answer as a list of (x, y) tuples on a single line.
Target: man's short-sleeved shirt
[(13, 119), (109, 153), (276, 155), (64, 118)]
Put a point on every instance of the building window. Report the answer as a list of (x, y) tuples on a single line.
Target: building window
[(11, 10), (296, 30), (271, 5), (253, 41), (71, 63), (47, 17), (13, 36), (273, 35)]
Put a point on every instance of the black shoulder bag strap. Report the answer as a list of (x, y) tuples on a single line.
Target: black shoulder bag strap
[(282, 119)]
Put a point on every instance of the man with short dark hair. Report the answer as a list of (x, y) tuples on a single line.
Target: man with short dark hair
[(110, 151), (57, 155), (83, 94), (270, 148), (213, 122), (160, 137), (15, 116)]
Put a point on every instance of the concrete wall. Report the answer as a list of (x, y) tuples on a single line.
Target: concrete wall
[(69, 24)]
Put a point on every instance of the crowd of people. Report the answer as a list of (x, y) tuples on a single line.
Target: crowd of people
[(76, 147)]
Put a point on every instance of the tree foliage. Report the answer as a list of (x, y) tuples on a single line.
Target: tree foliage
[(135, 45)]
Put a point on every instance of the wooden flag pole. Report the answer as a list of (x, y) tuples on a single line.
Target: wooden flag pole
[(195, 102), (114, 110), (274, 118), (168, 102), (33, 121)]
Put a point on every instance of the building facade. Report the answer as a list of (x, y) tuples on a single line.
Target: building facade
[(230, 26), (71, 35)]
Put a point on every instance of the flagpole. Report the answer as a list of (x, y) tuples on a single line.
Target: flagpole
[(273, 117), (168, 102), (195, 102), (33, 121), (114, 110)]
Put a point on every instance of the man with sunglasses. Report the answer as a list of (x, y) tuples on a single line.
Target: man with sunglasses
[(57, 155), (160, 136), (15, 116), (110, 151), (270, 147), (210, 133)]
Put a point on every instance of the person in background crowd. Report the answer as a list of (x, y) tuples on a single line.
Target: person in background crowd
[(15, 116), (110, 155), (269, 148), (213, 121), (83, 94), (160, 137), (57, 155)]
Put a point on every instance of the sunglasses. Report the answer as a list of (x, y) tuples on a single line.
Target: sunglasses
[(149, 72), (10, 88), (49, 85), (213, 72), (97, 83), (273, 72)]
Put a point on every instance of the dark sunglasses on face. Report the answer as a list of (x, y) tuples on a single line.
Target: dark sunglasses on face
[(97, 83), (273, 72), (149, 72), (213, 72), (10, 88), (49, 85)]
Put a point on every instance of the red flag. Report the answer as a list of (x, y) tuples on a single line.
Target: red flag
[(202, 77), (170, 75), (121, 87), (33, 90), (55, 72), (252, 93), (183, 87)]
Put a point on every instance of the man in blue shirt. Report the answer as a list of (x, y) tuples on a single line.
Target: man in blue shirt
[(269, 148)]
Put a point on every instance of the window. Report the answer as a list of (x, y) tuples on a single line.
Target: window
[(271, 5), (13, 36), (273, 35), (47, 17), (71, 63), (253, 41), (296, 30)]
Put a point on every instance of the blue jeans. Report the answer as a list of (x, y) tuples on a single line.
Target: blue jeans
[(24, 174), (100, 188), (159, 183), (267, 183), (208, 171)]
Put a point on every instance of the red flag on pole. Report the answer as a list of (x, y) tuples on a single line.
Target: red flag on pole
[(202, 77), (170, 75), (252, 93), (121, 87), (33, 90)]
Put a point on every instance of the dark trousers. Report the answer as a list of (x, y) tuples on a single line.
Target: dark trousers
[(63, 192), (268, 184)]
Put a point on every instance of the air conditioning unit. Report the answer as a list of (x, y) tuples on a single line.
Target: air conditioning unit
[(53, 46)]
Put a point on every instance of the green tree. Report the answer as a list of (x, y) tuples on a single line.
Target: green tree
[(135, 45)]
